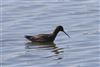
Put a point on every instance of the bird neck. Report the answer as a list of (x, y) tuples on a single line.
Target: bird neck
[(55, 32)]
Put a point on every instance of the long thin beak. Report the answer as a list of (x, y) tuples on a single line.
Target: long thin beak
[(66, 34)]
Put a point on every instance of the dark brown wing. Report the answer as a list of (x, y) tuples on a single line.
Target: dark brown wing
[(41, 37)]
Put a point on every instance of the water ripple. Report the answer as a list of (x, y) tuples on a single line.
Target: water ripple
[(80, 20)]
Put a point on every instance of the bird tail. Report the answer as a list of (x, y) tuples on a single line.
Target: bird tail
[(28, 37)]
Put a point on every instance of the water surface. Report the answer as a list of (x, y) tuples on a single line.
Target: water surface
[(80, 20)]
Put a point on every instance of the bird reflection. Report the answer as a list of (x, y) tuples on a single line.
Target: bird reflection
[(47, 46)]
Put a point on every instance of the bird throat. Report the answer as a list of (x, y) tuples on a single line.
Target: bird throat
[(55, 32)]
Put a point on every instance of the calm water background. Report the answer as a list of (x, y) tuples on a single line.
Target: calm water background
[(80, 19)]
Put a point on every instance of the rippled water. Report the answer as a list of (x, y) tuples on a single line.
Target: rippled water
[(80, 19)]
